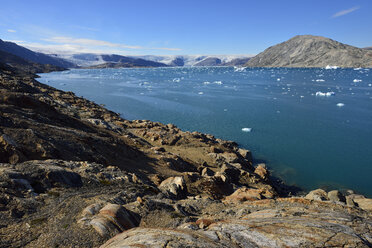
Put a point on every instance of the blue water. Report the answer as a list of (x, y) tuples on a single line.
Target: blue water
[(305, 139)]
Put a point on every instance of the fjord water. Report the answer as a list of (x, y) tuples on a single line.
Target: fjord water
[(308, 139)]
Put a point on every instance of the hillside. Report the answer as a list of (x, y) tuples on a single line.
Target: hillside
[(312, 51), (20, 65), (35, 57), (74, 174)]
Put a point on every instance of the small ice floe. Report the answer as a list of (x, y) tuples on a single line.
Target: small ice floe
[(247, 129), (319, 80), (340, 104), (239, 69), (328, 67), (225, 110), (370, 85), (206, 83), (218, 82), (302, 96), (357, 69), (201, 93), (278, 79), (176, 80), (327, 94), (357, 80)]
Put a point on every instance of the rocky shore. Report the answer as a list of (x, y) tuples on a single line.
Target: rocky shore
[(74, 174)]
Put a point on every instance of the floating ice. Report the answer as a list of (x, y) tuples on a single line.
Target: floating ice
[(206, 83), (247, 129), (201, 93), (357, 80), (327, 94), (320, 80), (217, 82), (239, 69), (331, 67), (176, 80), (369, 85), (278, 79), (357, 69), (340, 104)]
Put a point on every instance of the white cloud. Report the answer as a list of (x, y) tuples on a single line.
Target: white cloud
[(91, 44), (11, 30), (345, 12)]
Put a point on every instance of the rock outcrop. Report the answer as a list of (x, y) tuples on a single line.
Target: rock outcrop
[(312, 51), (74, 174)]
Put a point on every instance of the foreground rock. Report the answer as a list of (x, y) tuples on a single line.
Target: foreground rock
[(73, 174)]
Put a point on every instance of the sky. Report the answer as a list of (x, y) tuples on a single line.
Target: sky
[(172, 27)]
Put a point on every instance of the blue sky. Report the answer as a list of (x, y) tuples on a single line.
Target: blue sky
[(163, 27)]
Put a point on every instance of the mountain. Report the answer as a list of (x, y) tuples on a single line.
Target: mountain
[(312, 51), (210, 61), (16, 64), (199, 60), (368, 48), (91, 60), (35, 57)]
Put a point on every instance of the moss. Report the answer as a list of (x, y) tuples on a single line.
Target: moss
[(105, 182)]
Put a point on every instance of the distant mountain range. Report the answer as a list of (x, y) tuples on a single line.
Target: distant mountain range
[(300, 51), (93, 60), (312, 51)]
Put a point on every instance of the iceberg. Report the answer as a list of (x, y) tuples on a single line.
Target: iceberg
[(357, 80), (320, 80), (327, 94), (340, 104), (239, 69), (328, 67), (247, 129)]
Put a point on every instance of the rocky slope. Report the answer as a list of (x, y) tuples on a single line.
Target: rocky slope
[(27, 67), (74, 174), (312, 51), (32, 56)]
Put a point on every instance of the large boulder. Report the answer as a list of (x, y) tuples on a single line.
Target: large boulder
[(317, 195), (174, 187)]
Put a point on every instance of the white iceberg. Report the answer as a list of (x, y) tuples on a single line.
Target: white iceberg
[(340, 104), (357, 80), (320, 80), (239, 69), (247, 129), (331, 67), (201, 93), (326, 94)]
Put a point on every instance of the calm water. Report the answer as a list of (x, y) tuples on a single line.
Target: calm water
[(308, 139)]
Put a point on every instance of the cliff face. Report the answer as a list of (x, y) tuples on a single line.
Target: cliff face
[(74, 174), (312, 51)]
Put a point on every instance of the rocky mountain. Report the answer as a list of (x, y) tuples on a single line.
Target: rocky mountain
[(32, 56), (89, 59), (74, 174), (21, 66), (199, 60), (312, 51)]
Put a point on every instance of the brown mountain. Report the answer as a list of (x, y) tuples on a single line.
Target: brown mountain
[(312, 51)]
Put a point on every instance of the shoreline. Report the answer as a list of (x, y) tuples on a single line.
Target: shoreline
[(84, 174)]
